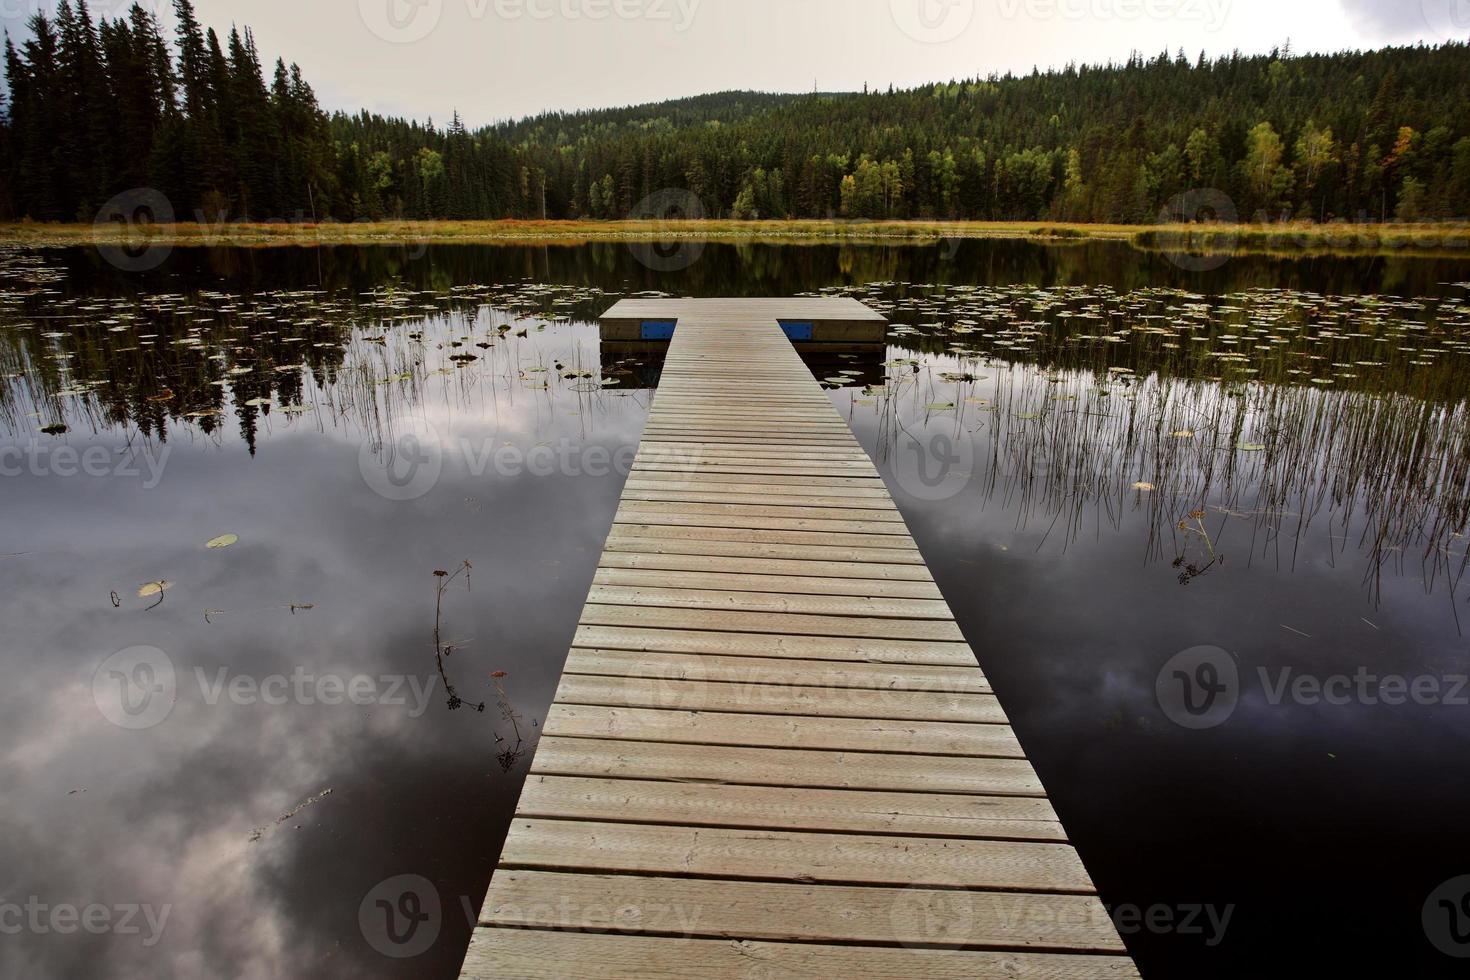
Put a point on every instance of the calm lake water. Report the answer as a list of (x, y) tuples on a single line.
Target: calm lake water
[(1204, 529)]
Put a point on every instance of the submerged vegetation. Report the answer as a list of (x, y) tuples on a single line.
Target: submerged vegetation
[(1282, 413), (1289, 412), (166, 363)]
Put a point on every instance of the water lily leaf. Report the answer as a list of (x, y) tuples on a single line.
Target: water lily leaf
[(223, 541), (1251, 447), (153, 589)]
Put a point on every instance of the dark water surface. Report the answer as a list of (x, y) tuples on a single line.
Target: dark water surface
[(255, 758)]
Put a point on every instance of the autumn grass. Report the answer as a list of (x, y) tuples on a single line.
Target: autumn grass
[(1286, 238)]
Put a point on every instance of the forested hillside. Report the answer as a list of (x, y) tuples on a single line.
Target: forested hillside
[(98, 107)]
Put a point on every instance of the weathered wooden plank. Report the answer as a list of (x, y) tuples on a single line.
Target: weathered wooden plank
[(576, 845), (634, 512), (786, 767), (760, 497), (535, 954), (779, 699), (760, 583), (625, 541), (672, 595), (817, 543), (719, 620), (775, 670), (768, 567), (855, 811), (866, 649), (736, 514), (777, 911), (649, 475), (831, 733), (654, 447)]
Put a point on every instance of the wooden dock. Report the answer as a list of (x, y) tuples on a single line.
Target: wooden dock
[(772, 754)]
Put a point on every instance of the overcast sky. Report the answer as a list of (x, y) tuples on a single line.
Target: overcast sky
[(495, 59)]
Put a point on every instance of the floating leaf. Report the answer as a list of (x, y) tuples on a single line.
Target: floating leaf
[(223, 541), (1251, 447), (153, 589), (1143, 486)]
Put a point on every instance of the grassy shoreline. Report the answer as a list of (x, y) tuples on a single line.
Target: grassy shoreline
[(1450, 239)]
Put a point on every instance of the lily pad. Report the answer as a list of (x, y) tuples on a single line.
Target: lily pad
[(1251, 447), (223, 541), (153, 588)]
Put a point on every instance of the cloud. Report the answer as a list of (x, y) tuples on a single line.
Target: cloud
[(1401, 20)]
